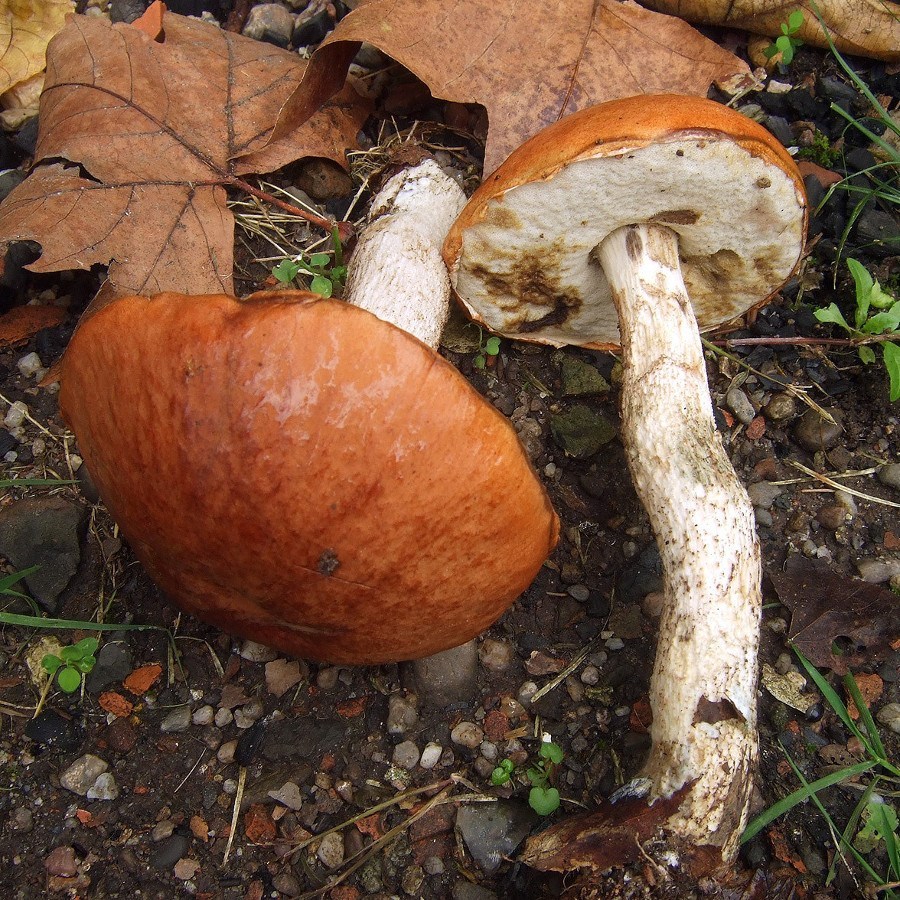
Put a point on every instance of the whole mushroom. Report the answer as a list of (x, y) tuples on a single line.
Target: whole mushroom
[(639, 223), (297, 471)]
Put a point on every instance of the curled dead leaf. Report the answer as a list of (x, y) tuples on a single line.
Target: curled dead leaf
[(856, 26)]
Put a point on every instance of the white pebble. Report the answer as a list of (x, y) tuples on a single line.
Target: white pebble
[(431, 755), (15, 415), (331, 850), (31, 365), (467, 734)]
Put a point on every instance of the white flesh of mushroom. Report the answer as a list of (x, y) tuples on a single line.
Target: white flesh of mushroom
[(703, 688), (396, 271)]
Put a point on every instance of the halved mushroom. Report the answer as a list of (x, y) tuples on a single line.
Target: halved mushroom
[(297, 471), (632, 223)]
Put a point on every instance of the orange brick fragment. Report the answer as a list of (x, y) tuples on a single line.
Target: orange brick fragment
[(756, 429), (141, 680), (350, 709), (871, 688), (199, 828), (115, 704), (258, 825)]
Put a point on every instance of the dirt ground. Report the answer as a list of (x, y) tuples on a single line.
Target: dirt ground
[(314, 746)]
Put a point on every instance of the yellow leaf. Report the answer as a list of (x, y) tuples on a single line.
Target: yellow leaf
[(26, 27)]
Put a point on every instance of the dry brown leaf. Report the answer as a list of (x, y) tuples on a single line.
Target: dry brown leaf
[(25, 28), (528, 64), (22, 322), (864, 27), (153, 131), (826, 606)]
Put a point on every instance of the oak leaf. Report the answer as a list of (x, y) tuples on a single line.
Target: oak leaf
[(528, 64), (137, 140), (861, 27)]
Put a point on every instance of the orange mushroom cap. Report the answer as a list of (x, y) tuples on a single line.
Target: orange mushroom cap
[(295, 471)]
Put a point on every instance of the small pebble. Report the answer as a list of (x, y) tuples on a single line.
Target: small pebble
[(258, 653), (652, 604), (30, 366), (889, 475), (179, 719), (590, 675), (763, 494), (739, 403), (467, 734), (780, 408), (431, 755), (526, 692), (15, 416), (579, 592), (223, 717), (249, 713), (815, 433), (878, 571), (204, 715), (61, 862), (403, 713), (495, 656), (406, 754), (832, 516), (889, 716), (288, 795), (162, 830), (331, 850), (81, 775), (327, 678), (225, 753), (104, 788), (22, 819), (270, 22), (615, 643)]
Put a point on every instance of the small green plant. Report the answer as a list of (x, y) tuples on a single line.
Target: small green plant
[(877, 314), (7, 582), (72, 664), (873, 823), (787, 42), (326, 271), (543, 798), (821, 151), (489, 346)]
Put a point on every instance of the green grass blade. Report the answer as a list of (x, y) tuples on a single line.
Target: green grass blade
[(35, 482), (865, 716), (808, 790), (72, 624)]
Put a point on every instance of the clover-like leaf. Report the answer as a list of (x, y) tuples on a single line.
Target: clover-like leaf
[(543, 800), (69, 679)]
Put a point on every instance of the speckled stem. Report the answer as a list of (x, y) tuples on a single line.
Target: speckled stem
[(703, 689), (396, 271)]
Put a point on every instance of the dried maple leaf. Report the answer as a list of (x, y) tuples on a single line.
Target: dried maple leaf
[(137, 139), (826, 606), (471, 51), (26, 26), (856, 26)]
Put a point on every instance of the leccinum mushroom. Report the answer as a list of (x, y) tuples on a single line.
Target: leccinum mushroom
[(646, 218), (296, 471)]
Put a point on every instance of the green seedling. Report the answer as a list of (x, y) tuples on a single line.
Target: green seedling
[(543, 798), (72, 664), (489, 346), (326, 271), (7, 582), (877, 314), (787, 43)]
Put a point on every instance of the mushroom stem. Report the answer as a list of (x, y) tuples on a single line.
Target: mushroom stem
[(397, 272), (703, 688)]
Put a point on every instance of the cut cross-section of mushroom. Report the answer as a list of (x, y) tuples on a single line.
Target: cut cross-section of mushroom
[(297, 471), (630, 224)]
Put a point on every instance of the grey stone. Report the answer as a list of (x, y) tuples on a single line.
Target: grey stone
[(169, 851), (496, 656), (406, 755), (763, 494), (815, 433), (889, 475), (578, 377), (104, 788), (270, 22), (179, 719), (879, 230), (739, 403), (465, 890), (402, 713), (43, 532), (492, 831), (581, 431), (467, 734), (878, 570), (444, 678), (81, 775), (641, 577), (113, 666)]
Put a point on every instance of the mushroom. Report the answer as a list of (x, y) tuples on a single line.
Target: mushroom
[(299, 472), (633, 223)]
